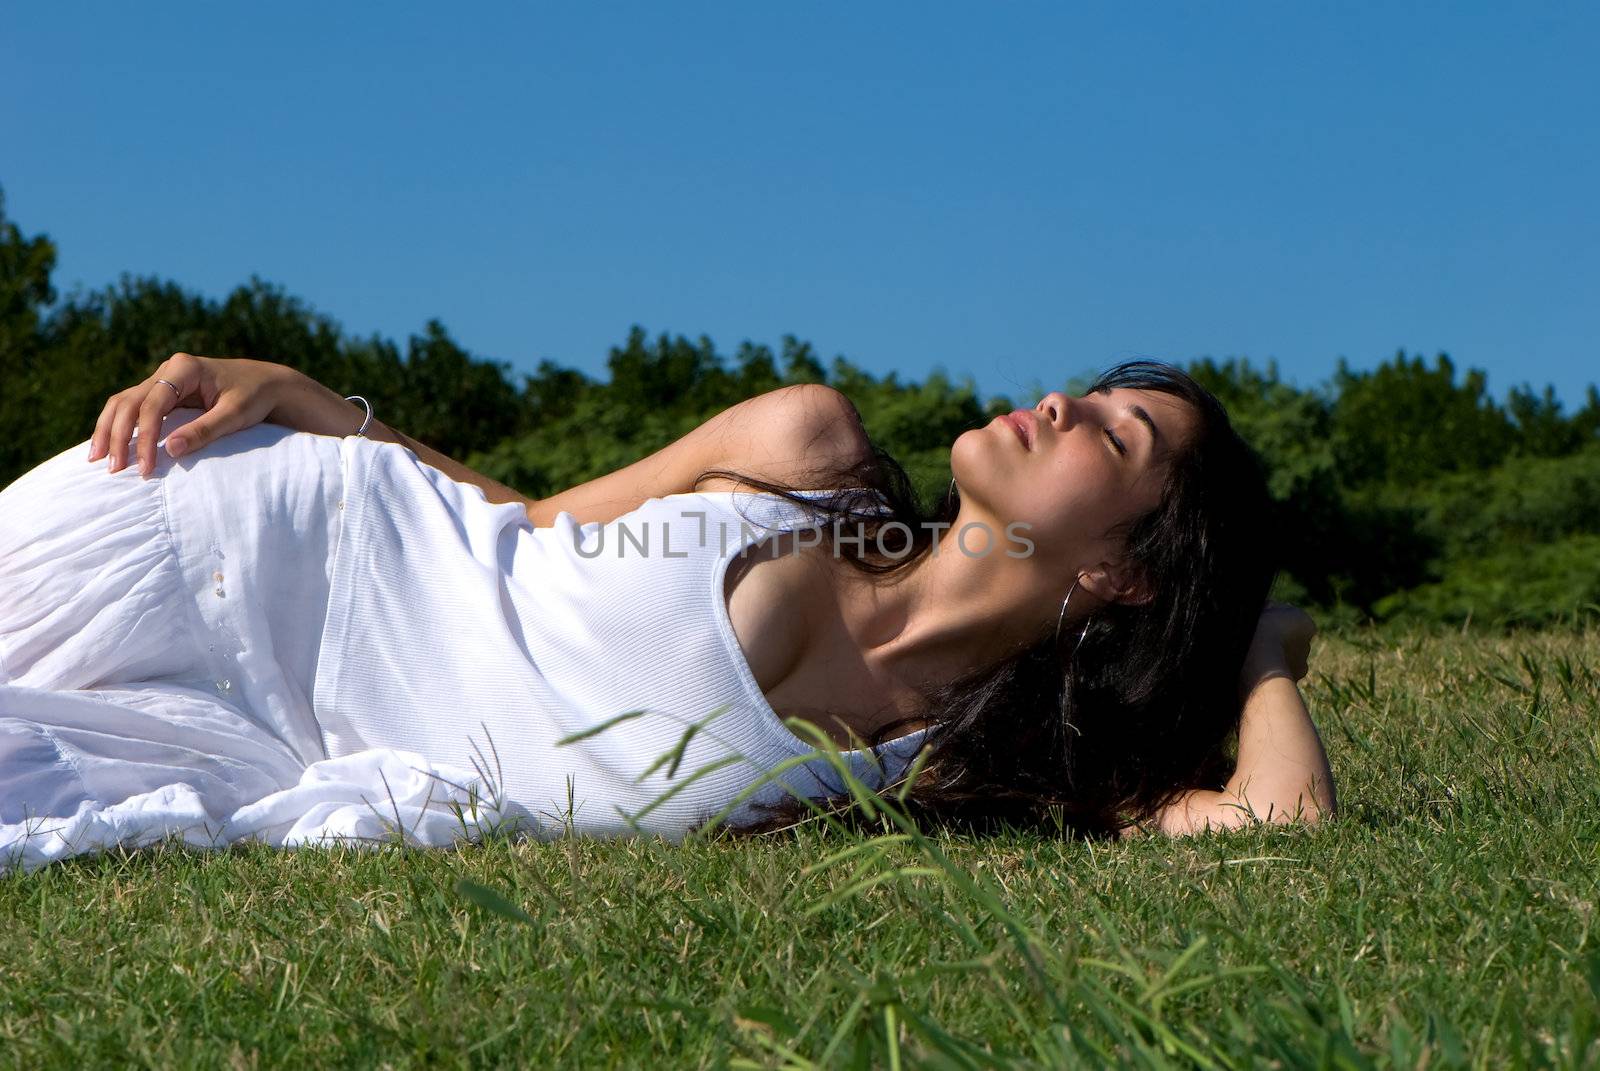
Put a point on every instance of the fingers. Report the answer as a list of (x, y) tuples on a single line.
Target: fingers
[(143, 407), (157, 404), (122, 419), (102, 429), (223, 418)]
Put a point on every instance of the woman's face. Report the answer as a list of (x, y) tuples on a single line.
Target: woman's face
[(1088, 464)]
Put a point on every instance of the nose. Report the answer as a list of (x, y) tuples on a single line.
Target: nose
[(1056, 408)]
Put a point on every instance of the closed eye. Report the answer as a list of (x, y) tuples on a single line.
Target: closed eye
[(1122, 451)]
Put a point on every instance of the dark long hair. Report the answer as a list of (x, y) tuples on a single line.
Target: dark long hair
[(1095, 736)]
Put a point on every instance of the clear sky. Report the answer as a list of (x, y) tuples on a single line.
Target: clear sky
[(1019, 192)]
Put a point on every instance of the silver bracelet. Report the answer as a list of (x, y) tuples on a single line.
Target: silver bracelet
[(362, 430)]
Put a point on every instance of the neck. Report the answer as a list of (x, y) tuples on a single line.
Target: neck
[(945, 615)]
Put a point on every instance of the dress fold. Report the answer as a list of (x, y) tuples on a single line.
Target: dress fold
[(158, 645)]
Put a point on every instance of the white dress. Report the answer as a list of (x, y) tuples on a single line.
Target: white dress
[(293, 638)]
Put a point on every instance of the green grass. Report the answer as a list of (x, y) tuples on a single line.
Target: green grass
[(1446, 918)]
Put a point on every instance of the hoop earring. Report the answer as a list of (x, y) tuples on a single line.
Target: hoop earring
[(1062, 616), (950, 493)]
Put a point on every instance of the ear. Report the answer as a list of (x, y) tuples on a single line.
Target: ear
[(1113, 583)]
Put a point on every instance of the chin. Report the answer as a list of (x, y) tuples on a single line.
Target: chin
[(969, 465), (977, 460)]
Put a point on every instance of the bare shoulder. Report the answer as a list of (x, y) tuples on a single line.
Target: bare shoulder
[(797, 435)]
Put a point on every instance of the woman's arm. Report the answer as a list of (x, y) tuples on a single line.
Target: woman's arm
[(237, 393), (795, 434), (1282, 773), (306, 405), (800, 435)]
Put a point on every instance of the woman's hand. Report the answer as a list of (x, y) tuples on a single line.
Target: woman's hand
[(236, 393), (1281, 646)]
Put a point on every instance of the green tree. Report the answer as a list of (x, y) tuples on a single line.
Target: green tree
[(1542, 431), (25, 290), (25, 294), (1404, 423)]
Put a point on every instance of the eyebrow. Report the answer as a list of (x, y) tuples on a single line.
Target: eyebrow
[(1137, 412), (1144, 418)]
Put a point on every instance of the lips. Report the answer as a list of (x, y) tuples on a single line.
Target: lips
[(1022, 425)]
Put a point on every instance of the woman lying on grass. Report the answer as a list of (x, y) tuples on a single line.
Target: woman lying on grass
[(277, 605)]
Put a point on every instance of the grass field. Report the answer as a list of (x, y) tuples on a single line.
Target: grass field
[(1446, 918)]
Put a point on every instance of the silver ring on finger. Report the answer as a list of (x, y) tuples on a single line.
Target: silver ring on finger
[(174, 387)]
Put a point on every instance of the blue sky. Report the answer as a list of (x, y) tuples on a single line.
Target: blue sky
[(1016, 192)]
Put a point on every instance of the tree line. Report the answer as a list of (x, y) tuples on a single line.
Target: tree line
[(1405, 492)]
